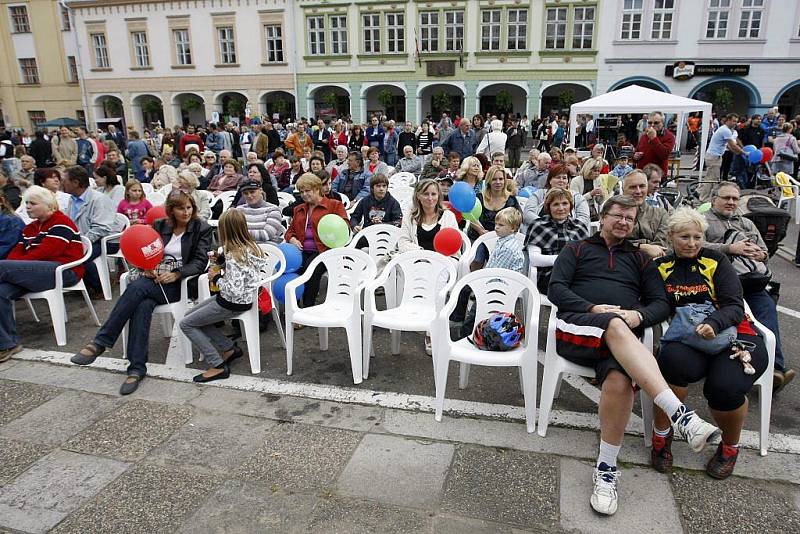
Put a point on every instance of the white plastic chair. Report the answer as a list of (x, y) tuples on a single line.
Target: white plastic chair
[(489, 239), (424, 291), (348, 271), (402, 179), (147, 188), (284, 199), (249, 318), (121, 223), (173, 312), (555, 366), (55, 296), (381, 240), (496, 290), (226, 198), (764, 385), (535, 260), (157, 198), (345, 200), (164, 190)]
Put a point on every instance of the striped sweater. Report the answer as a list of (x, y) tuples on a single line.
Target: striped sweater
[(264, 221), (55, 239)]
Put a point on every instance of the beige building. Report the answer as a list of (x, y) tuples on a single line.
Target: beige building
[(38, 64)]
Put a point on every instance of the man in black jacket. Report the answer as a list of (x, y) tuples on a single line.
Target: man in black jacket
[(607, 292)]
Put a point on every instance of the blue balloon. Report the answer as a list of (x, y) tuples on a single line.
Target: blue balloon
[(749, 148), (279, 286), (294, 258), (462, 197), (524, 192), (755, 156)]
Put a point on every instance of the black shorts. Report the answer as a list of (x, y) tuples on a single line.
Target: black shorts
[(580, 339)]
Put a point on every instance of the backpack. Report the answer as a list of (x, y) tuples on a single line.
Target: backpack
[(771, 221)]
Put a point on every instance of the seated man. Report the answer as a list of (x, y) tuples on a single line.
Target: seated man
[(24, 176), (434, 167), (739, 238), (655, 175), (607, 292), (650, 231), (93, 213), (410, 162)]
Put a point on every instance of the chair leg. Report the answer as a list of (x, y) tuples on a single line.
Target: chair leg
[(166, 325), (527, 374), (354, 341), (558, 386), (251, 336), (289, 345), (58, 316), (463, 375), (276, 316), (89, 305), (124, 336), (366, 350), (323, 339), (647, 418), (105, 277), (33, 311), (550, 382), (395, 334), (765, 409), (440, 367)]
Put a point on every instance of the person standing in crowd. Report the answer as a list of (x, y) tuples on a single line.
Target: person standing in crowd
[(407, 137), (41, 150), (137, 149), (357, 139), (656, 144), (462, 141), (298, 141), (494, 141), (424, 142), (188, 140), (321, 138), (86, 151), (116, 136), (607, 292), (375, 135), (785, 146), (514, 142), (390, 143), (337, 138), (64, 148), (724, 139)]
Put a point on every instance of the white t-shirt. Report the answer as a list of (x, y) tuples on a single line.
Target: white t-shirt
[(719, 141), (173, 248)]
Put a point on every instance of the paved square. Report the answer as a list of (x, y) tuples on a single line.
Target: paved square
[(397, 470), (16, 456), (300, 457), (357, 517), (131, 431), (52, 488), (503, 485), (16, 398)]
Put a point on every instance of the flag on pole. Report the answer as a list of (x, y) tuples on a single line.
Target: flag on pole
[(416, 46)]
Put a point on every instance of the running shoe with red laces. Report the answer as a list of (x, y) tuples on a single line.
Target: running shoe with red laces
[(661, 453), (721, 465)]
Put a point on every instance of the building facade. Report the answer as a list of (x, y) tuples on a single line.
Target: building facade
[(176, 62), (38, 64), (741, 55), (410, 59)]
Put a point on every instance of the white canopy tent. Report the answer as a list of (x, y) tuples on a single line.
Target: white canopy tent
[(636, 99)]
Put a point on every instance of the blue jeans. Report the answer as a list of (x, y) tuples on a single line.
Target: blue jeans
[(765, 312), (136, 306), (18, 277)]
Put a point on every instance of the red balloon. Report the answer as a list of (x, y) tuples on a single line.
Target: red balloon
[(142, 246), (768, 153), (155, 213), (459, 217), (447, 241)]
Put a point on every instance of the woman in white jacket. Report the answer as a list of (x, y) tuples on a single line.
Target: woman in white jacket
[(427, 217)]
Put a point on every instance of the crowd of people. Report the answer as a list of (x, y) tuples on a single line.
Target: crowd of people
[(646, 262)]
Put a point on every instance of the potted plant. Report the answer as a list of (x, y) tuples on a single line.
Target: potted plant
[(235, 107), (722, 100), (330, 99), (565, 99), (503, 101), (191, 104), (386, 99), (442, 101)]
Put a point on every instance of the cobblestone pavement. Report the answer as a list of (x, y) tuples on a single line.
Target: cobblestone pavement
[(177, 457)]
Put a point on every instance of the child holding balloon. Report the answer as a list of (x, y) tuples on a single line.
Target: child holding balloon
[(134, 206), (241, 265)]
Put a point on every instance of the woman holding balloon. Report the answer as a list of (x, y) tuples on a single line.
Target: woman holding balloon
[(313, 235), (181, 235), (427, 217)]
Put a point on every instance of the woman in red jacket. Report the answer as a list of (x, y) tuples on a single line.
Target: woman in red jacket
[(50, 240), (302, 233)]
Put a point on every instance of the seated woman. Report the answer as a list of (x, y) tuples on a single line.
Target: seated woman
[(50, 179), (380, 207), (427, 217), (499, 194), (588, 184), (166, 174), (106, 182), (557, 178), (695, 275), (471, 172), (553, 229), (10, 227), (302, 232), (186, 238), (277, 168), (50, 240), (256, 172), (188, 182), (228, 180), (375, 165)]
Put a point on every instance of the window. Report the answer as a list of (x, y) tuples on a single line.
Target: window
[(227, 45), (100, 50), (583, 28), (274, 35), (372, 33), (30, 73), (66, 25), (631, 20), (429, 31), (662, 19), (338, 34), (750, 23), (316, 35), (454, 31), (80, 115), (395, 28), (36, 118), (19, 19), (556, 28), (141, 52), (183, 47), (517, 29), (72, 69), (490, 29), (717, 25)]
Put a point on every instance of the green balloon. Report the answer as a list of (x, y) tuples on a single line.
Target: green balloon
[(333, 231), (702, 208), (475, 213)]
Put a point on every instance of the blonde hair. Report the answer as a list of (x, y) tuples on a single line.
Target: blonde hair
[(308, 180), (189, 177), (40, 195), (685, 217), (235, 237), (421, 187), (464, 168), (591, 164), (133, 182), (510, 216), (488, 194)]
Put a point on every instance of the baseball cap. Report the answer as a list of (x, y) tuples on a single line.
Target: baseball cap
[(445, 178), (249, 185)]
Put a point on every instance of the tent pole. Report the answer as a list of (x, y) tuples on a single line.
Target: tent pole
[(705, 127), (573, 126)]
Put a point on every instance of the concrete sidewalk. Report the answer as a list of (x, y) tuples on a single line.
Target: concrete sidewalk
[(176, 457)]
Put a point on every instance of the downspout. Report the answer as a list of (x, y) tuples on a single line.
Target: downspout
[(79, 62)]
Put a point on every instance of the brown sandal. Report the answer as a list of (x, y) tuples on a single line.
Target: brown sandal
[(88, 354)]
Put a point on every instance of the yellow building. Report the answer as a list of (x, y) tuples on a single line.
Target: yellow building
[(38, 68)]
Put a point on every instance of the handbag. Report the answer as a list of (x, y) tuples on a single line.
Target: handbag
[(753, 275), (682, 329), (168, 264)]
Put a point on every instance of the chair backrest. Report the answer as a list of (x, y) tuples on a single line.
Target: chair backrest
[(489, 239), (785, 183), (381, 239), (402, 179), (466, 244), (165, 190), (147, 187), (425, 274), (157, 198), (87, 249), (348, 270), (121, 222), (345, 200), (284, 199), (226, 198)]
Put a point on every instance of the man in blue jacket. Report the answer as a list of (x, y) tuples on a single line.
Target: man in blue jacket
[(462, 141), (375, 134)]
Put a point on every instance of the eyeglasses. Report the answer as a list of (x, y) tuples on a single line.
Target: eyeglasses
[(621, 218), (730, 198)]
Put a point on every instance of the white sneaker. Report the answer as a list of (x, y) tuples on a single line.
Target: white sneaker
[(604, 496), (691, 427)]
